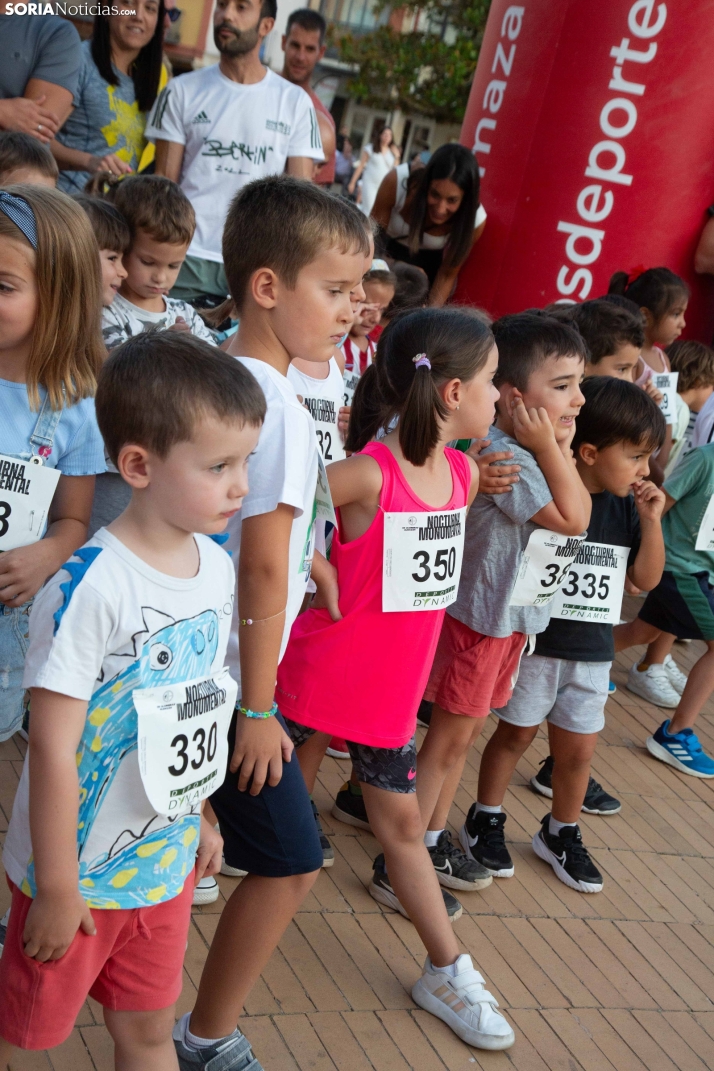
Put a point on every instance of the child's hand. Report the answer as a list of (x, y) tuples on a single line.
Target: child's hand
[(327, 596), (493, 479), (52, 924), (649, 499), (180, 325), (210, 850), (343, 420), (656, 395), (23, 571), (532, 427)]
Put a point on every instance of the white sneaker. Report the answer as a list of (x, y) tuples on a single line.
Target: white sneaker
[(654, 685), (676, 678), (464, 1004), (206, 892), (231, 871)]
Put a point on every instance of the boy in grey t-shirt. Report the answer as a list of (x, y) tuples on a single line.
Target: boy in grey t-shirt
[(540, 367)]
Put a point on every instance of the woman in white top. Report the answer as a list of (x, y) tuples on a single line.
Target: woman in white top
[(432, 217), (376, 161)]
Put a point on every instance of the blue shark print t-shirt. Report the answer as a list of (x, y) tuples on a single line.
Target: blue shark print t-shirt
[(106, 624)]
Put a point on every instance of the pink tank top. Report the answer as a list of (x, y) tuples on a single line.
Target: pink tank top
[(647, 372), (372, 699)]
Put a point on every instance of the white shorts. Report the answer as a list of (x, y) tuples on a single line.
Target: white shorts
[(571, 695)]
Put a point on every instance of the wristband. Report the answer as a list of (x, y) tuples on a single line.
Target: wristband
[(259, 714)]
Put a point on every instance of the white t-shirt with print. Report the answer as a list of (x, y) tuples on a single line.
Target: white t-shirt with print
[(283, 468), (233, 134), (105, 624), (123, 319)]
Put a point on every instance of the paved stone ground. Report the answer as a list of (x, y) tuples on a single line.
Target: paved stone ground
[(620, 981)]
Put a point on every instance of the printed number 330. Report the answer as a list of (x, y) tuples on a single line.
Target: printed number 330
[(180, 742)]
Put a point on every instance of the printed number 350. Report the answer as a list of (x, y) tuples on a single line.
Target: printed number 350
[(444, 565)]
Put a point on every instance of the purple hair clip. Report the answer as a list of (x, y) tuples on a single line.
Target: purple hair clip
[(422, 361)]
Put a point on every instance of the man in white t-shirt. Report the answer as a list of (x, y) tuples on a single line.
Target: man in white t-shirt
[(218, 128)]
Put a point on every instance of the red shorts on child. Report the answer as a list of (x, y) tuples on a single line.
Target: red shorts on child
[(133, 963), (471, 672)]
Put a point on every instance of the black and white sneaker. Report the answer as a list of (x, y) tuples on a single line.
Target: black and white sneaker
[(568, 857), (349, 807), (482, 839), (381, 891), (328, 852), (597, 800), (454, 869)]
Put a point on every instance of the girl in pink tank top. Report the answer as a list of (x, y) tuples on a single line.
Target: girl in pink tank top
[(400, 506)]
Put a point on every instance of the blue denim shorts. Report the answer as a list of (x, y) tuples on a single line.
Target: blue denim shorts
[(14, 640)]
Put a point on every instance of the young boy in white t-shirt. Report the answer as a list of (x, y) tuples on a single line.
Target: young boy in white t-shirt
[(292, 254), (130, 706), (162, 222)]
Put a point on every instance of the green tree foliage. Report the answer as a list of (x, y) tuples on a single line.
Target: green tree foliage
[(428, 70)]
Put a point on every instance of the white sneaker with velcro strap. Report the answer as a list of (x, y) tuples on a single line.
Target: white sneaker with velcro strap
[(463, 1003)]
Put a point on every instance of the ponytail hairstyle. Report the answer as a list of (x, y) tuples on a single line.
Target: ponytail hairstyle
[(456, 342), (67, 350), (658, 289)]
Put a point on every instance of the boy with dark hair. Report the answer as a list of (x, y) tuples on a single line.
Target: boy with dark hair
[(516, 552), (113, 238), (293, 253), (565, 682), (161, 222), (614, 337), (126, 641), (24, 159)]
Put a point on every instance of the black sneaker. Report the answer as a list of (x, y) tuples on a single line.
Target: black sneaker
[(424, 713), (597, 800), (381, 891), (482, 839), (454, 869), (568, 857), (349, 807), (328, 853)]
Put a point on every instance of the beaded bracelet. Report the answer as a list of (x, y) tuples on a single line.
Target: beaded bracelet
[(259, 714)]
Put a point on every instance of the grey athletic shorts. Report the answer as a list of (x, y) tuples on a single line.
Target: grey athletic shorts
[(390, 768), (571, 695)]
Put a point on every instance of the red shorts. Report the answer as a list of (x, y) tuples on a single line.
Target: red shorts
[(133, 963), (473, 673)]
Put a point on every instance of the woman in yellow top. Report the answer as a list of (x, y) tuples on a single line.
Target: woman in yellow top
[(121, 75)]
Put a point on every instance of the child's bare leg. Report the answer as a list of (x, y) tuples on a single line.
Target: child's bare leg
[(6, 1051), (633, 634), (659, 649), (396, 822), (441, 758), (500, 758), (572, 754), (310, 755), (700, 685), (142, 1040)]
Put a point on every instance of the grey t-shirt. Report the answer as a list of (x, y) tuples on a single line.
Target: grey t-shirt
[(497, 531), (47, 48), (106, 119)]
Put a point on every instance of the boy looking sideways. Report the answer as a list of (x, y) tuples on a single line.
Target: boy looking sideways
[(540, 365), (113, 238), (161, 221), (614, 337), (565, 682), (292, 254), (100, 852)]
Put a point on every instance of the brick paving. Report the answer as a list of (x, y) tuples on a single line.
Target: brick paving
[(619, 981)]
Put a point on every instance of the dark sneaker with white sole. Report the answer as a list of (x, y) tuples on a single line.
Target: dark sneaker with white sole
[(233, 1053), (328, 852), (568, 857), (483, 840), (381, 891), (349, 807), (454, 869), (597, 800)]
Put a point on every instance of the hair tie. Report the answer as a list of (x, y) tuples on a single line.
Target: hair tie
[(422, 361), (635, 274), (20, 212)]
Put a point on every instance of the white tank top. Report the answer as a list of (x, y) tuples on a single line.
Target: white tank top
[(354, 358), (398, 228), (322, 398)]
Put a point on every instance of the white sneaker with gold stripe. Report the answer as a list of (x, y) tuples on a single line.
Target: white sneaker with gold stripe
[(457, 995)]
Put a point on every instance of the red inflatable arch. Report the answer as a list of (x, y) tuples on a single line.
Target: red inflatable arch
[(593, 126)]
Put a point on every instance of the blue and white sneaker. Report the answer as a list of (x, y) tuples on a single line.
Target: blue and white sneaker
[(611, 688), (681, 750)]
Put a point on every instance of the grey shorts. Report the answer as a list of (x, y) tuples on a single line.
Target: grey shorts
[(390, 768), (571, 695)]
